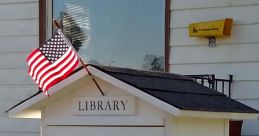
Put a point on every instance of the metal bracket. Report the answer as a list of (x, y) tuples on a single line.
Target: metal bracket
[(212, 41)]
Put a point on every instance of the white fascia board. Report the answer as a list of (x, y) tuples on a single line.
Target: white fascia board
[(134, 91), (225, 115), (27, 105)]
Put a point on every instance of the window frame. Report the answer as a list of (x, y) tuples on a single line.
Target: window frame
[(45, 26)]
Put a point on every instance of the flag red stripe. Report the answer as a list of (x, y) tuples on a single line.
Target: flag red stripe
[(62, 69), (52, 70), (35, 69), (43, 64), (31, 61), (31, 54), (57, 80), (53, 66), (36, 77)]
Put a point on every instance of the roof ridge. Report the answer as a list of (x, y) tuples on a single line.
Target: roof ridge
[(144, 73), (161, 90), (153, 76)]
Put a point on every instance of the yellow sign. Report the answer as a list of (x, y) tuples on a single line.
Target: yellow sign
[(211, 28)]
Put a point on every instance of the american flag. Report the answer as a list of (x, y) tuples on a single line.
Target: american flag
[(52, 62)]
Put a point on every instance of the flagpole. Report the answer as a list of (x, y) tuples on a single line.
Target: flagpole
[(56, 24)]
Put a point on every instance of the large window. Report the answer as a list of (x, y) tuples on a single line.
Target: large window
[(124, 33)]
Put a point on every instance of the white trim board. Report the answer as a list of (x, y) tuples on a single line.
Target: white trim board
[(225, 115)]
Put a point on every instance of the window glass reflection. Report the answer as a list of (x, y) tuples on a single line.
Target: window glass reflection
[(124, 33)]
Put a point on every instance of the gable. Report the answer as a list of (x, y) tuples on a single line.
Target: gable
[(61, 111)]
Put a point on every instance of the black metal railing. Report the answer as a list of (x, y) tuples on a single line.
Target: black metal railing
[(209, 80)]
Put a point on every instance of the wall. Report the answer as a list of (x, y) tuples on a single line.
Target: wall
[(236, 55), (18, 35), (60, 111)]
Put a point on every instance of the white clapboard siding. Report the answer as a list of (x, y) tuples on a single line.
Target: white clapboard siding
[(246, 15), (219, 54), (250, 128), (5, 105), (16, 92), (18, 11), (4, 133), (19, 27), (236, 55), (13, 60), (14, 76), (18, 43), (187, 4), (19, 125), (241, 71), (245, 90), (19, 133), (18, 36), (16, 1), (240, 34)]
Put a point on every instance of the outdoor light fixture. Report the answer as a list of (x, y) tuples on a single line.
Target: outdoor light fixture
[(211, 29)]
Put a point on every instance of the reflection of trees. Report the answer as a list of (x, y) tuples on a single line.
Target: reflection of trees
[(93, 61), (154, 63), (96, 62), (72, 30)]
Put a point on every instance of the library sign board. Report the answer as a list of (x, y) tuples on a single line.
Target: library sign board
[(104, 105)]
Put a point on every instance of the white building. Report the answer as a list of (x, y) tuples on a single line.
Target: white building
[(236, 55)]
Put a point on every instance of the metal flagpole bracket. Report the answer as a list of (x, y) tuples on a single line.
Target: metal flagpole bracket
[(212, 41)]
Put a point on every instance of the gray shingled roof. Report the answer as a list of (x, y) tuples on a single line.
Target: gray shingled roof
[(174, 89), (177, 90)]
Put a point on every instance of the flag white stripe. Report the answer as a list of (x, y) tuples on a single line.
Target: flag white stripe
[(44, 77), (62, 73), (33, 57), (52, 65), (34, 64), (38, 68), (56, 69)]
